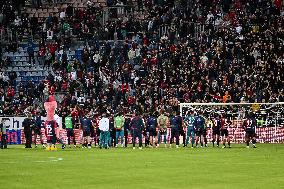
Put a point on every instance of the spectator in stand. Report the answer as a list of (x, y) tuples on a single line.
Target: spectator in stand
[(10, 94), (30, 51), (222, 58), (12, 77), (42, 55)]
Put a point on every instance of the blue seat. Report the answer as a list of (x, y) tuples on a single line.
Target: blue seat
[(28, 78), (22, 73), (78, 54), (19, 63), (23, 78), (34, 78)]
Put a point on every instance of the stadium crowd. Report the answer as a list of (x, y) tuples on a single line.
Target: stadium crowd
[(182, 51)]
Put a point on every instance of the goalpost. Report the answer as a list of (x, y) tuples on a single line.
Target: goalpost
[(270, 118)]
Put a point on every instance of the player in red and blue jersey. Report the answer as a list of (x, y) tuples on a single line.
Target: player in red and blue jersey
[(51, 132), (137, 126), (181, 129), (249, 126), (216, 130), (37, 129), (152, 127), (175, 122), (225, 123), (86, 125), (199, 126)]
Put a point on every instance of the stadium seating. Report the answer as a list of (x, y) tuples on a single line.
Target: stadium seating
[(163, 37)]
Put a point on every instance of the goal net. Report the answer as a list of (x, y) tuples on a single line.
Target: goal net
[(269, 116)]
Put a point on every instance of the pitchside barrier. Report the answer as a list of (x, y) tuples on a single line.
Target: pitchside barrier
[(14, 128), (237, 135), (266, 134)]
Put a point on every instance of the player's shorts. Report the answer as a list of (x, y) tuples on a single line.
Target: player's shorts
[(77, 125), (51, 139), (112, 133), (125, 132), (145, 132), (204, 132), (37, 131), (93, 133), (98, 132), (136, 133), (86, 133), (250, 133), (70, 132), (174, 132), (224, 132), (199, 132), (163, 131), (152, 131), (181, 132), (216, 131)]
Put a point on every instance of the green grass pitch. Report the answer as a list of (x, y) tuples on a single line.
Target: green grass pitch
[(201, 168)]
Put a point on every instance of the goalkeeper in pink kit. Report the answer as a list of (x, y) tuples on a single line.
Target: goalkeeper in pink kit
[(50, 125)]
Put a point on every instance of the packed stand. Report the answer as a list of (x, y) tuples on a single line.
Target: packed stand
[(182, 51)]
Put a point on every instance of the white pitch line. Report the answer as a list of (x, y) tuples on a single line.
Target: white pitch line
[(52, 159)]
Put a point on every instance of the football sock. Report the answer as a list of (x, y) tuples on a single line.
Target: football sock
[(60, 141), (253, 141), (192, 142), (205, 141), (247, 142), (229, 143), (218, 141)]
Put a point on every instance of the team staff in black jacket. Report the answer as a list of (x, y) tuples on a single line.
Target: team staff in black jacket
[(28, 125), (137, 126)]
